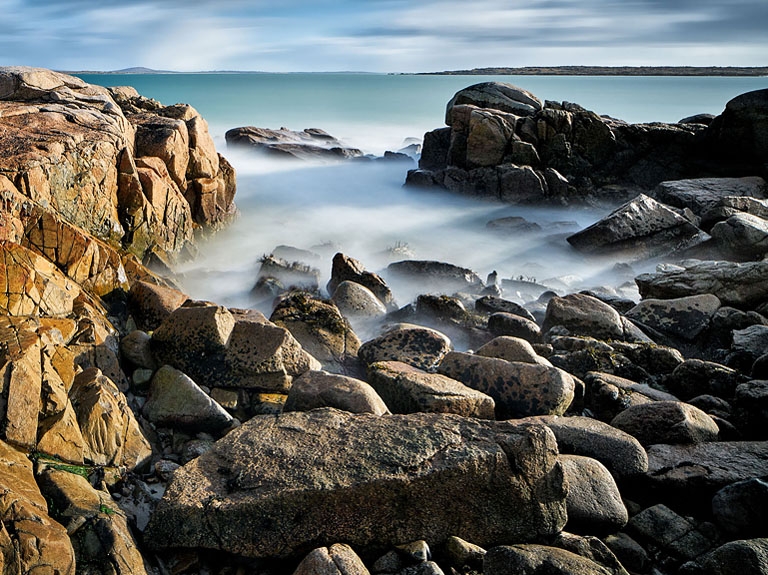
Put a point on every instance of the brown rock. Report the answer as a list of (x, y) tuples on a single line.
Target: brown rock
[(322, 389), (151, 303), (338, 559), (666, 422)]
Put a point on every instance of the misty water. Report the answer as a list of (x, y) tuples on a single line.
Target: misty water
[(362, 208)]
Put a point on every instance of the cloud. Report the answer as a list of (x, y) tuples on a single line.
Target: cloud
[(379, 35)]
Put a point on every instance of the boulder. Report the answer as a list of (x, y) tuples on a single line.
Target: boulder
[(111, 432), (742, 557), (417, 346), (533, 559), (136, 349), (99, 531), (372, 481), (696, 377), (407, 389), (584, 315), (750, 342), (695, 472), (511, 348), (519, 389), (684, 318), (751, 406), (338, 559), (702, 194), (739, 508), (30, 541), (676, 536), (740, 285), (618, 451), (492, 304), (502, 324), (496, 96), (669, 422), (345, 268), (221, 349), (594, 503), (316, 389), (434, 276), (739, 132), (319, 327), (356, 301), (488, 136), (177, 402), (641, 228), (311, 144), (521, 184), (150, 304), (608, 395), (743, 235), (462, 553), (292, 275)]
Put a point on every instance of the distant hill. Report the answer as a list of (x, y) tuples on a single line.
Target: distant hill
[(608, 71), (135, 70)]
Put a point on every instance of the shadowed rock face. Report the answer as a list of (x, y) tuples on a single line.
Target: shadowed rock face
[(281, 486)]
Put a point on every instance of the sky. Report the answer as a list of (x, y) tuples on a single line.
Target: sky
[(380, 35)]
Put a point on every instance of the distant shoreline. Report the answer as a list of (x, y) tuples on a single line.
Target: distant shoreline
[(607, 71)]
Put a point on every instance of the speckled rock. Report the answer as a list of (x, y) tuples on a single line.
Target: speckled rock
[(338, 559), (418, 346), (519, 389), (345, 268), (357, 301), (666, 422), (608, 395), (364, 479), (512, 349), (532, 559), (316, 389), (407, 389), (584, 315), (513, 325), (683, 317)]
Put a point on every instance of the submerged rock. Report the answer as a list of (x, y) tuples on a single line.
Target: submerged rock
[(310, 144), (372, 481)]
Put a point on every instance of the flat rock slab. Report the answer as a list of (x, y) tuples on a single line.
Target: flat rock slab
[(280, 486), (702, 194)]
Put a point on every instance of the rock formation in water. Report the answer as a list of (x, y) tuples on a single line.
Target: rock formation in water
[(144, 432)]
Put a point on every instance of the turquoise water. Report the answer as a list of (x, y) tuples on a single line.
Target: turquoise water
[(373, 111), (362, 209)]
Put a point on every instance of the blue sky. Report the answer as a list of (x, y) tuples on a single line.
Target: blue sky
[(380, 35)]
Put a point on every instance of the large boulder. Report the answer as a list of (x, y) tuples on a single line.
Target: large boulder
[(371, 481), (684, 317), (519, 389), (739, 133), (703, 194), (316, 389), (666, 422), (414, 345), (741, 285), (641, 228), (583, 314), (496, 96)]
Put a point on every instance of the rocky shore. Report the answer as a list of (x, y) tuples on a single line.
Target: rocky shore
[(142, 431)]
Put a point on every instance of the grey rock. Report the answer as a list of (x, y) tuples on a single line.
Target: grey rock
[(696, 377), (338, 559), (744, 235), (513, 325), (357, 301), (415, 551), (533, 559), (462, 553), (434, 276), (670, 532), (407, 389), (738, 285), (335, 476), (492, 304), (641, 228), (751, 406), (177, 401), (289, 274), (590, 548), (584, 315), (310, 144), (740, 508), (702, 194), (621, 453), (594, 502), (420, 347), (496, 96), (519, 389), (135, 347), (345, 268), (751, 341), (742, 557), (670, 422), (608, 395), (315, 389), (683, 317), (629, 552)]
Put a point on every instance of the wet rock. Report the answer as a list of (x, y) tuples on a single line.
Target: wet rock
[(293, 275), (513, 225), (310, 144), (739, 132), (608, 395), (434, 276), (621, 453), (362, 478), (319, 327), (684, 318), (519, 389), (177, 401), (594, 502), (666, 422), (739, 508), (492, 304), (738, 285), (316, 389), (407, 389), (420, 347), (488, 133), (641, 228)]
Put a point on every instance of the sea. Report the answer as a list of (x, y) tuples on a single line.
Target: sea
[(362, 208)]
